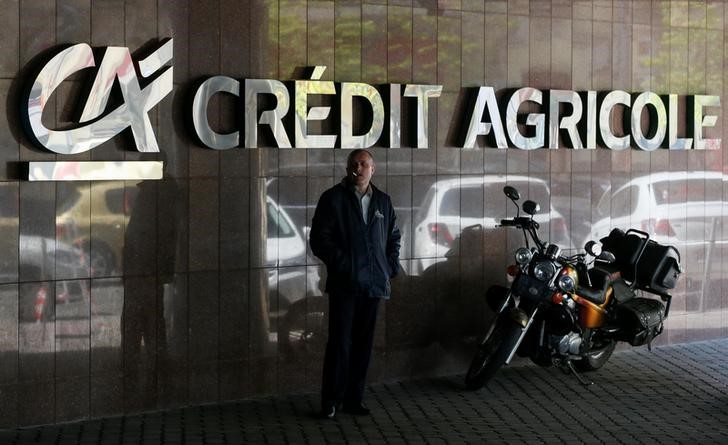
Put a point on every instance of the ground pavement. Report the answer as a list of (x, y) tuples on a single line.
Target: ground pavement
[(674, 394)]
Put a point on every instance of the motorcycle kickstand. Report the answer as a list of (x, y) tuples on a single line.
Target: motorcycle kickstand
[(578, 376)]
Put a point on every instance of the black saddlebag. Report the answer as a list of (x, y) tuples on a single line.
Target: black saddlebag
[(658, 268), (640, 320)]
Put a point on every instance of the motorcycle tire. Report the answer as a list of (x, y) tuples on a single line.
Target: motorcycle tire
[(492, 354), (596, 359)]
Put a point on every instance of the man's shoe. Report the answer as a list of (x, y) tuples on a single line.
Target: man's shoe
[(328, 411), (357, 409)]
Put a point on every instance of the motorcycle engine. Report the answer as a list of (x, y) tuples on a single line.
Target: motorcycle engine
[(561, 319), (570, 344)]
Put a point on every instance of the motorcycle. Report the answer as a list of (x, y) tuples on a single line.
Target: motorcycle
[(570, 311)]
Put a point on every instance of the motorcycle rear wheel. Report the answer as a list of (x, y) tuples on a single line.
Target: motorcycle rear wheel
[(596, 359), (492, 354)]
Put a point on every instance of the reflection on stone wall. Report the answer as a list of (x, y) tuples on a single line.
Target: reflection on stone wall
[(120, 297)]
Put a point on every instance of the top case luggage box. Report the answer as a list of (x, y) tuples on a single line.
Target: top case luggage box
[(657, 270)]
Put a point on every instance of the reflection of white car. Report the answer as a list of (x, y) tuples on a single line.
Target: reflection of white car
[(94, 219), (671, 207), (285, 245), (441, 216), (295, 287)]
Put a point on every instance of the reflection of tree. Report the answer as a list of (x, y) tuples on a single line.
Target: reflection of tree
[(348, 31), (674, 48)]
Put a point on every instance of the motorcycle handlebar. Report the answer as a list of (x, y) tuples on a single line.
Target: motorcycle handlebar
[(520, 222)]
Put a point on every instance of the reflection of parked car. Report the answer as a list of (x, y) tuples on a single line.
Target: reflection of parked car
[(441, 215), (284, 245), (672, 207), (297, 318), (684, 209), (96, 222)]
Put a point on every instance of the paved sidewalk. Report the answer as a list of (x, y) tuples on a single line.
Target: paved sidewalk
[(675, 394)]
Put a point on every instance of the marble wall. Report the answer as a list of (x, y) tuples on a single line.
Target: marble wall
[(119, 297)]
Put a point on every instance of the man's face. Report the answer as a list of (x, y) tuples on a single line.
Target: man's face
[(360, 169)]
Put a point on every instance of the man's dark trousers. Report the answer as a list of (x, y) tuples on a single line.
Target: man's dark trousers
[(352, 317)]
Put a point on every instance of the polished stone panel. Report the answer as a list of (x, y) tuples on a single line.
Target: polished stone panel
[(139, 251), (320, 35), (121, 297), (176, 150), (9, 327), (424, 37), (234, 224), (9, 231), (37, 231), (347, 41), (172, 224), (73, 329), (172, 341), (9, 407), (374, 43), (293, 21), (72, 399), (581, 59), (561, 56), (540, 52), (288, 221), (9, 33), (400, 190), (105, 343), (141, 321), (204, 222), (203, 336), (399, 44)]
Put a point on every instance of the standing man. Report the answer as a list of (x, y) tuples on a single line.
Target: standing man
[(355, 234)]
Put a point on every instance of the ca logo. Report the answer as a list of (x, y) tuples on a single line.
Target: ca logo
[(96, 129)]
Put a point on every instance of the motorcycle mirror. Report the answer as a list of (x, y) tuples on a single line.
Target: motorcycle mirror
[(607, 257), (593, 248), (511, 193), (531, 207)]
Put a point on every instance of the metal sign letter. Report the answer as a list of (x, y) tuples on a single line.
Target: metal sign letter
[(116, 64)]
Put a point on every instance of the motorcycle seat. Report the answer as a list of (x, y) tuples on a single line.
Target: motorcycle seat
[(601, 278)]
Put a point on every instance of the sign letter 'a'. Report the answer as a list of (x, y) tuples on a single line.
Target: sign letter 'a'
[(95, 127)]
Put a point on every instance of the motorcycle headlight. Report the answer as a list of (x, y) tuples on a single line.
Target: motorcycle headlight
[(544, 270), (523, 256), (566, 283)]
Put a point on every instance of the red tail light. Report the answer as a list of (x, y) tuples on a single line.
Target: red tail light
[(440, 234), (663, 227), (658, 227), (513, 270)]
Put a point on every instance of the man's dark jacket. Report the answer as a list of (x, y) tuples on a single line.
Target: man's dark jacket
[(358, 256)]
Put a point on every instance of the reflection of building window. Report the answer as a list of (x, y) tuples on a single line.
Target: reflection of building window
[(278, 227), (471, 199), (622, 203), (661, 191), (450, 205)]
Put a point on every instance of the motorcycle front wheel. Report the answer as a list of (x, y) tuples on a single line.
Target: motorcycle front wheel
[(596, 359), (492, 353)]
